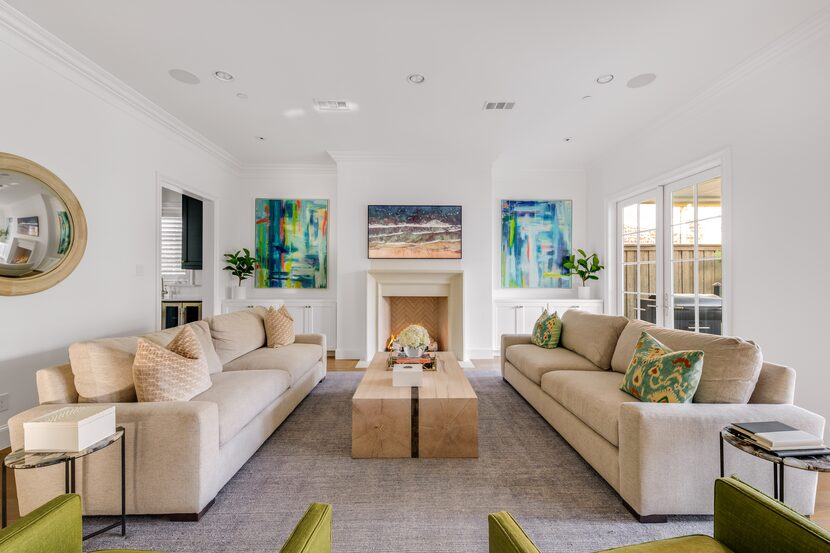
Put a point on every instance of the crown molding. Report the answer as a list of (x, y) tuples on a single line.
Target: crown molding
[(780, 48), (288, 169), (55, 53)]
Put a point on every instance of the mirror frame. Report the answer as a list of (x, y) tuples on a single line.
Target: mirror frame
[(36, 283)]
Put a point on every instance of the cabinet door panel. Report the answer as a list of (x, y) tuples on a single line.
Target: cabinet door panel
[(324, 321), (529, 315), (298, 312), (505, 322)]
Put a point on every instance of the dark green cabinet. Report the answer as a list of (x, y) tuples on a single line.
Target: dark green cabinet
[(191, 233)]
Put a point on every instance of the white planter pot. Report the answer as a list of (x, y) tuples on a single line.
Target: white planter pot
[(584, 292), (238, 292)]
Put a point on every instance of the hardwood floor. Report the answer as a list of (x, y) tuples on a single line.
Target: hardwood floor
[(820, 517)]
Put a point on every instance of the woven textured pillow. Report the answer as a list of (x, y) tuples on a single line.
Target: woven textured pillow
[(546, 330), (279, 327), (659, 375), (178, 372)]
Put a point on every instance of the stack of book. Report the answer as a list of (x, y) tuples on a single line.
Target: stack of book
[(779, 438)]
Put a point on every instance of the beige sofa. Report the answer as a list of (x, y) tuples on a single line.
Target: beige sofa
[(662, 459), (179, 454)]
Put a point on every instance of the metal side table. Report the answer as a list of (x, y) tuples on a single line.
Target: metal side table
[(816, 463), (21, 460)]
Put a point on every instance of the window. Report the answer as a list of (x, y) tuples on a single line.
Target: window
[(171, 244), (670, 254)]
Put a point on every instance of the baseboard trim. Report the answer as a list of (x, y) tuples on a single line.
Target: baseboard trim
[(5, 439), (190, 517)]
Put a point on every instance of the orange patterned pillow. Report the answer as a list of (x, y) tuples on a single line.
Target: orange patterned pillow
[(279, 327), (178, 372)]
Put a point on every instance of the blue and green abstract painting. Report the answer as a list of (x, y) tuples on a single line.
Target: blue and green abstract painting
[(291, 243), (535, 242)]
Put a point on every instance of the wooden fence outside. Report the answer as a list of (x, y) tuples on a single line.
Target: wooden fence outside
[(709, 272)]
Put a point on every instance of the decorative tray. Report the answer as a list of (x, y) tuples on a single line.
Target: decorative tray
[(428, 360)]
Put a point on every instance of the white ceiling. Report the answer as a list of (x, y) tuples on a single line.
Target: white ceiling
[(543, 54)]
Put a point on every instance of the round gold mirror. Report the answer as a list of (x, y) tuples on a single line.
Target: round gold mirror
[(42, 227)]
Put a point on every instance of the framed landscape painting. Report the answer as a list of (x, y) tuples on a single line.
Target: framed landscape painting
[(535, 242), (414, 232), (291, 243)]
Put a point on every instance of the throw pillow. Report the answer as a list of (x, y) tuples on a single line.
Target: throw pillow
[(103, 370), (546, 330), (660, 375), (279, 327), (178, 372)]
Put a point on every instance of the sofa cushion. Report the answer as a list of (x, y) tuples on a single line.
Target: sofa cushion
[(624, 350), (731, 365), (296, 359), (235, 334), (592, 336), (592, 396), (103, 369), (177, 372), (660, 375), (533, 361), (241, 396), (202, 330)]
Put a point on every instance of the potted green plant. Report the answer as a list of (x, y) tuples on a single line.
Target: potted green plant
[(586, 267), (241, 265)]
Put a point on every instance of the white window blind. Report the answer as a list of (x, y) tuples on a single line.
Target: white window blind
[(171, 244)]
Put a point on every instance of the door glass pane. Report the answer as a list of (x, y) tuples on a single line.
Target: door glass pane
[(709, 233), (630, 223), (630, 306), (648, 278), (648, 307), (710, 276), (648, 238), (648, 215), (683, 205), (630, 278), (709, 199), (683, 242)]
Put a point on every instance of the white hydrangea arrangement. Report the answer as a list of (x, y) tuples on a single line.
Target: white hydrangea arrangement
[(414, 336)]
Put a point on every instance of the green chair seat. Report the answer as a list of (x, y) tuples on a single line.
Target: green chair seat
[(683, 544)]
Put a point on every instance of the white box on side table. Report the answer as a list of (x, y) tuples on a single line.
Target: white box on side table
[(69, 429), (407, 375)]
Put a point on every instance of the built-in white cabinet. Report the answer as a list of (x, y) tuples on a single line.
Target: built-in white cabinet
[(516, 316), (318, 316)]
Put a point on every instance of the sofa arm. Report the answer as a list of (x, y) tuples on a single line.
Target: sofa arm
[(319, 339), (508, 340), (172, 452), (669, 455), (747, 520)]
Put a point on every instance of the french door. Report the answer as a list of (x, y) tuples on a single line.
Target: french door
[(671, 254)]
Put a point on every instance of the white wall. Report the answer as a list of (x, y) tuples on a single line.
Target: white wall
[(312, 182), (777, 125), (418, 180), (109, 155)]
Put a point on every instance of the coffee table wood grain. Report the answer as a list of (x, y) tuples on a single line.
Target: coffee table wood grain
[(439, 419)]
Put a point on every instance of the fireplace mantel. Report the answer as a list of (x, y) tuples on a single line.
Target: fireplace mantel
[(382, 284)]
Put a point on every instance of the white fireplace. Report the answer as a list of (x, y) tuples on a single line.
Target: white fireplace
[(396, 298)]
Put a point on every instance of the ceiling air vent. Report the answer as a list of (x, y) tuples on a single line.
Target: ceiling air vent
[(489, 106), (332, 105)]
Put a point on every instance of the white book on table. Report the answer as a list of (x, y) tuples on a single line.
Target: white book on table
[(69, 429), (788, 439)]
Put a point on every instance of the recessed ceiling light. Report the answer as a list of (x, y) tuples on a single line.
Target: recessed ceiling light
[(332, 105), (223, 76), (567, 139), (241, 95), (260, 138), (641, 80), (416, 78), (586, 98), (293, 113), (183, 76), (605, 79)]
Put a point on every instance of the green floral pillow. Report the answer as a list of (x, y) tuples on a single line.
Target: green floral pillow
[(660, 375), (546, 330)]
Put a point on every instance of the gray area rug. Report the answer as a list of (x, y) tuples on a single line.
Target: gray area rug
[(403, 505)]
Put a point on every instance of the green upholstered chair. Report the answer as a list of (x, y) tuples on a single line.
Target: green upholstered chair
[(746, 521), (56, 528)]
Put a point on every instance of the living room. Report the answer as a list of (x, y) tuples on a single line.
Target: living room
[(682, 144)]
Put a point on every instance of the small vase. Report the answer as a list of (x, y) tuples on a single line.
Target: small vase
[(414, 352), (584, 292), (238, 292)]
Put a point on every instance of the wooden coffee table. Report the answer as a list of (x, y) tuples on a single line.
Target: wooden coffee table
[(439, 419)]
